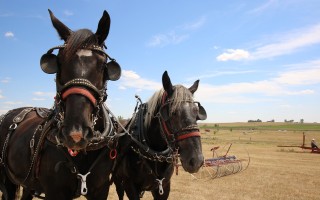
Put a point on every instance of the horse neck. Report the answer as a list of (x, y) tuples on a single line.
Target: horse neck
[(154, 136)]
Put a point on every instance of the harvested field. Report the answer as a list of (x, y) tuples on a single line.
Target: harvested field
[(274, 172)]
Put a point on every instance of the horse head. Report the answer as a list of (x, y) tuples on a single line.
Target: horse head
[(179, 114), (82, 70)]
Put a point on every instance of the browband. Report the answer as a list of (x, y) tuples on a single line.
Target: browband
[(93, 47)]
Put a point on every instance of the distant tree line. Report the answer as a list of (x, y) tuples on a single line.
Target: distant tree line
[(258, 120), (286, 121)]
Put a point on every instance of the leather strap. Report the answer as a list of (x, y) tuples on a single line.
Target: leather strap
[(81, 91), (187, 135), (20, 117)]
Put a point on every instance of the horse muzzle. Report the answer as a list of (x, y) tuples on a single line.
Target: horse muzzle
[(191, 156), (192, 164), (75, 139)]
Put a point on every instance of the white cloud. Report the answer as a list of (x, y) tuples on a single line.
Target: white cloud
[(258, 87), (234, 54), (128, 74), (286, 106), (301, 74), (121, 87), (13, 103), (68, 13), (9, 34), (195, 25), (131, 79), (38, 99), (264, 6), (5, 80), (41, 96), (283, 44), (162, 40), (306, 76), (289, 43), (3, 111), (172, 37), (285, 83), (44, 94), (301, 92), (220, 73), (246, 92)]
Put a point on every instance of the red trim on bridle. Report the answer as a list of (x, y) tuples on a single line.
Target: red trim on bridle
[(166, 129), (187, 135), (81, 91)]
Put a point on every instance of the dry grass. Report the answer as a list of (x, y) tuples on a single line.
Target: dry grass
[(274, 172)]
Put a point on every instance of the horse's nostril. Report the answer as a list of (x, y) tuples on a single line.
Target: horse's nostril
[(192, 162), (76, 136)]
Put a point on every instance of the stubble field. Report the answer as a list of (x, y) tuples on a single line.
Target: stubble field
[(274, 172)]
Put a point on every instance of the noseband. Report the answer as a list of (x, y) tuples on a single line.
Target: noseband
[(80, 86), (177, 135)]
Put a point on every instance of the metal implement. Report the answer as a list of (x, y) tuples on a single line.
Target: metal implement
[(219, 166)]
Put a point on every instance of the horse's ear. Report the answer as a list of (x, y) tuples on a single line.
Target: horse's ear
[(194, 87), (63, 31), (166, 82), (103, 28)]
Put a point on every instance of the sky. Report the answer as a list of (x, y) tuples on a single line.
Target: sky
[(256, 59)]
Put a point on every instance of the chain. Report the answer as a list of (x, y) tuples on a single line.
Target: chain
[(155, 157), (12, 127), (43, 134), (39, 127)]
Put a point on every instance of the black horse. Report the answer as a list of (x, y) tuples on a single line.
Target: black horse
[(69, 150), (162, 130)]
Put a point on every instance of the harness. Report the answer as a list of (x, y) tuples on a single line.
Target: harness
[(107, 138), (171, 137), (140, 140), (42, 128)]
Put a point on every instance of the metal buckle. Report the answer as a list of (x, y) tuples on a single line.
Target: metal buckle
[(13, 126)]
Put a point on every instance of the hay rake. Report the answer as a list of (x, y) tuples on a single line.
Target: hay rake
[(219, 166)]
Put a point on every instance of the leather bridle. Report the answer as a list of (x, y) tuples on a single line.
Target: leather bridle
[(79, 86), (175, 135)]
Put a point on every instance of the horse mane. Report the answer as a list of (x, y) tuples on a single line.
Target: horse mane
[(180, 94), (77, 40)]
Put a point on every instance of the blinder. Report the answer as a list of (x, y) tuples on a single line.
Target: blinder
[(202, 115), (113, 70), (49, 63)]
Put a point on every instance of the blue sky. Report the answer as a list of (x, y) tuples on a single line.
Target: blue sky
[(255, 59)]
